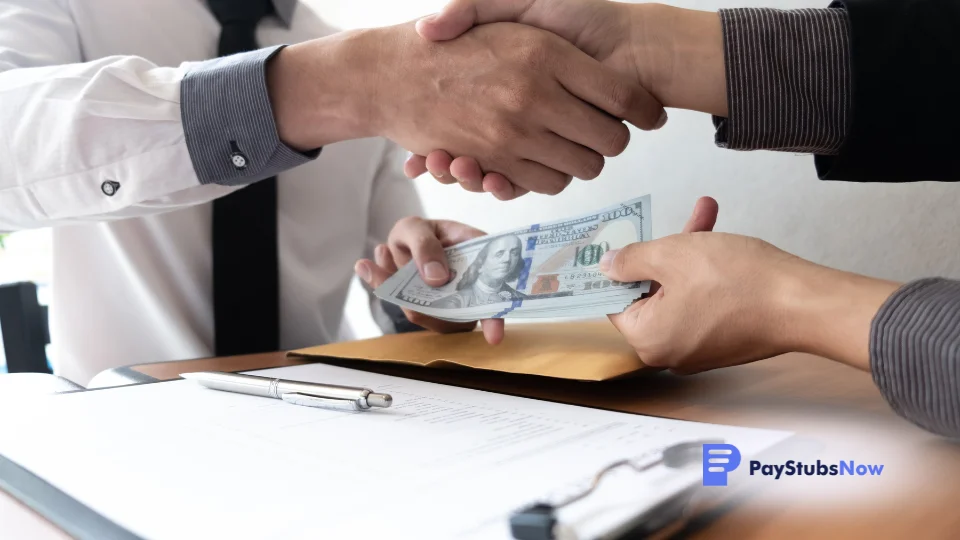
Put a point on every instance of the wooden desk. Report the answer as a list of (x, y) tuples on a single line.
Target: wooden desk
[(836, 406)]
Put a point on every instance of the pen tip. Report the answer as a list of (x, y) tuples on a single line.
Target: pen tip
[(188, 375)]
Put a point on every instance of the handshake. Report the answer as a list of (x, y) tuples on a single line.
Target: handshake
[(503, 96)]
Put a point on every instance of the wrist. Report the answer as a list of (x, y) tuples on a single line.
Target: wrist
[(320, 90), (829, 312), (679, 57)]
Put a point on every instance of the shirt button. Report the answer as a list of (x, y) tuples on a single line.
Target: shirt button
[(109, 188), (239, 160)]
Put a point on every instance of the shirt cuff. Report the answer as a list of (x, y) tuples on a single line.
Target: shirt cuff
[(915, 353), (788, 80), (228, 121)]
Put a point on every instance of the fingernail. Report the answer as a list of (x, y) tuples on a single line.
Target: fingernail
[(607, 260), (437, 176), (662, 121), (434, 271), (362, 271)]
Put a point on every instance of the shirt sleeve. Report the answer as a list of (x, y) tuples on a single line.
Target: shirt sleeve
[(116, 137), (915, 354), (788, 79), (228, 121)]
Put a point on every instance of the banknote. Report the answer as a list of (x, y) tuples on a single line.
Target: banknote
[(535, 271)]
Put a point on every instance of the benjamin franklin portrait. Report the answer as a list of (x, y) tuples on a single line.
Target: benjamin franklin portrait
[(485, 280)]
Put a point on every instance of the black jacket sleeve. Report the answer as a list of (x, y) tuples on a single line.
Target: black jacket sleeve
[(904, 119)]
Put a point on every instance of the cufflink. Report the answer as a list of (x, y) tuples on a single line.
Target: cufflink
[(238, 158), (109, 188)]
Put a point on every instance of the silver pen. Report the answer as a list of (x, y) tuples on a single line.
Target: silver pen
[(297, 392)]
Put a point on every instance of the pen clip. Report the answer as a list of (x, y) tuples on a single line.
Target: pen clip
[(308, 400)]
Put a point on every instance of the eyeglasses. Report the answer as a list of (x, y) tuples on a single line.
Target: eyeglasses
[(539, 522)]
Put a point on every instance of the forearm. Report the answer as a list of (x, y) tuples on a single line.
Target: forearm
[(678, 55), (774, 79), (907, 336), (829, 312), (324, 91)]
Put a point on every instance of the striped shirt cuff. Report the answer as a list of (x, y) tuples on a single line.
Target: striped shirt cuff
[(915, 354), (228, 121), (788, 80)]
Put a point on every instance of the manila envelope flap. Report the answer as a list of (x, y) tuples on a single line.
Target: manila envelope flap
[(587, 351)]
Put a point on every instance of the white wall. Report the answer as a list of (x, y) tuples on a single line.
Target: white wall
[(891, 231)]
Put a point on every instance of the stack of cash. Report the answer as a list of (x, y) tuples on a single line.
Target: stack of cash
[(548, 270)]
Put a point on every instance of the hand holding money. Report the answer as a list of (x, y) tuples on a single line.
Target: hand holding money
[(420, 243), (544, 270), (725, 299)]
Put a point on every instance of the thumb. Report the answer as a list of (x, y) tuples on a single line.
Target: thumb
[(704, 216), (632, 263), (461, 15)]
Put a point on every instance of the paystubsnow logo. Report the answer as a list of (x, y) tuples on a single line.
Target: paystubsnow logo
[(718, 460), (721, 459)]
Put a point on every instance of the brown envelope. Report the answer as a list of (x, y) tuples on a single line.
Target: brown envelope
[(588, 351)]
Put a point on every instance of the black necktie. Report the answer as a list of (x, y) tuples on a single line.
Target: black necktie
[(246, 305)]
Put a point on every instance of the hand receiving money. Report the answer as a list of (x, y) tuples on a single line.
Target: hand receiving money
[(543, 270), (421, 244)]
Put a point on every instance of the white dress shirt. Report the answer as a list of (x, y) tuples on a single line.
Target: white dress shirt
[(92, 142)]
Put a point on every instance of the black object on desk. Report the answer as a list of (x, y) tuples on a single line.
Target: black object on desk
[(23, 323), (539, 520)]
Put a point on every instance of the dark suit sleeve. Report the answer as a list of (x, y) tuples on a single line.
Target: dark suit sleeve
[(904, 117)]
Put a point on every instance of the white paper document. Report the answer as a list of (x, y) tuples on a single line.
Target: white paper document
[(175, 460)]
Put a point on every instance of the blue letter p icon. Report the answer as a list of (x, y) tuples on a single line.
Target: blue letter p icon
[(718, 460)]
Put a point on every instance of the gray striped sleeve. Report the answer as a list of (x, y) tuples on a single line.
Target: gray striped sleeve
[(788, 80), (915, 354), (228, 121)]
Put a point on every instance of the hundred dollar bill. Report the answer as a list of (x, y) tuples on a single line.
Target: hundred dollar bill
[(533, 271)]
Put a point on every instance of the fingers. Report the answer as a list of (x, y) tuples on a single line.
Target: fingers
[(384, 259), (437, 325), (501, 187), (546, 180), (492, 330), (438, 163), (415, 166), (460, 15), (374, 276), (704, 216), (636, 262), (454, 232), (467, 171), (594, 83), (626, 321), (588, 126), (371, 274), (559, 154), (415, 237)]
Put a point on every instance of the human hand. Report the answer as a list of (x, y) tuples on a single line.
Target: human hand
[(723, 299), (675, 54), (423, 241), (522, 101)]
